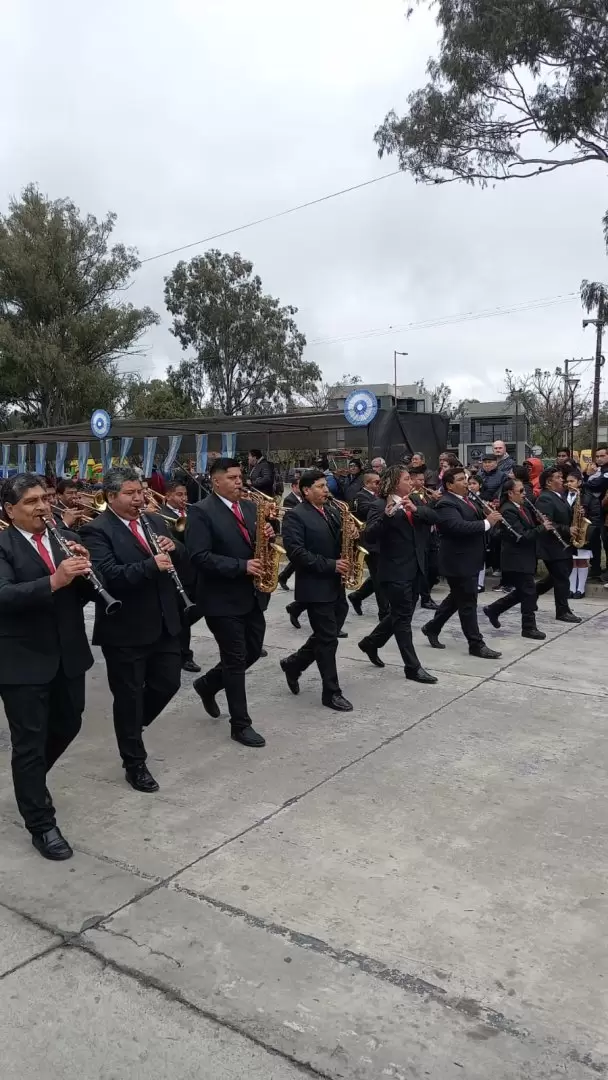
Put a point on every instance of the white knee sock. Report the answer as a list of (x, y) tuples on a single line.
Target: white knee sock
[(482, 577), (582, 578), (573, 579)]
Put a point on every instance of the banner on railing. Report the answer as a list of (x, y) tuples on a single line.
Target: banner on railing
[(149, 452), (201, 453), (105, 449), (22, 457), (174, 445), (125, 449), (60, 456), (6, 457), (40, 459), (228, 443), (83, 459)]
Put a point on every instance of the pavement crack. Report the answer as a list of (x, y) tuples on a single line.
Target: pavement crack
[(140, 944)]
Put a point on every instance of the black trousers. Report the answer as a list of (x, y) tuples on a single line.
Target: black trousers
[(402, 597), (431, 572), (462, 598), (286, 572), (143, 679), (189, 619), (558, 579), (524, 593), (239, 639), (372, 584), (43, 720), (326, 620)]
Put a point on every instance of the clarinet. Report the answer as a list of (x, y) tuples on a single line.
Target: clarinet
[(540, 518), (152, 539), (112, 605), (487, 509)]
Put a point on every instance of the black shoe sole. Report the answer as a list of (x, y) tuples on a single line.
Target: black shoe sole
[(372, 656), (249, 745), (292, 680), (433, 641), (337, 708), (208, 702), (144, 790)]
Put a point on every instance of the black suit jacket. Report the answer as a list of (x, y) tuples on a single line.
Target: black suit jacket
[(519, 556), (402, 546), (39, 629), (291, 500), (362, 504), (556, 508), (262, 476), (219, 554), (462, 537), (150, 603), (312, 542)]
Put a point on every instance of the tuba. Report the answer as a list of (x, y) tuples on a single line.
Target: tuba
[(268, 552), (580, 524), (350, 549)]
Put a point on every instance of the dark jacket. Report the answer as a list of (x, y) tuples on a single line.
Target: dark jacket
[(312, 542), (462, 537), (556, 508), (491, 484), (39, 629), (598, 484), (291, 500), (362, 504), (262, 476), (402, 545), (219, 553), (149, 598), (518, 556), (351, 488), (505, 465)]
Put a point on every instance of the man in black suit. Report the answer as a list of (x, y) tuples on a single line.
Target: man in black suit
[(518, 560), (399, 527), (175, 513), (556, 557), (363, 501), (261, 473), (291, 500), (423, 496), (220, 542), (141, 642), (44, 652), (461, 557), (312, 535)]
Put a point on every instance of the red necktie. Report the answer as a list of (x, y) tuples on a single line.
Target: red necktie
[(42, 551), (410, 516), (472, 505), (140, 539), (238, 513), (523, 513), (321, 511)]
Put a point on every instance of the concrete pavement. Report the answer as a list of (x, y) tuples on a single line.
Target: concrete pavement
[(416, 889)]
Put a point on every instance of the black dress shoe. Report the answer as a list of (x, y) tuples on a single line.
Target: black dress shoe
[(481, 588), (420, 675), (492, 616), (290, 675), (355, 603), (293, 618), (535, 634), (578, 595), (140, 778), (247, 736), (263, 652), (283, 584), (429, 605), (342, 633), (568, 616), (338, 702), (210, 705), (371, 652), (190, 665), (484, 653), (433, 639), (52, 845)]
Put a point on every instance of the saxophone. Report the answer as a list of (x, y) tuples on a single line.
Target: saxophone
[(268, 552), (350, 549), (580, 524)]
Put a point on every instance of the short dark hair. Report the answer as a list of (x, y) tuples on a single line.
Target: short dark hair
[(574, 473), (256, 454), (489, 457), (450, 474), (602, 446), (222, 464), (522, 472), (115, 478), (563, 450), (66, 485), (474, 479), (508, 486), (310, 477), (453, 461), (416, 470), (355, 461), (13, 489), (546, 475), (173, 485), (369, 472)]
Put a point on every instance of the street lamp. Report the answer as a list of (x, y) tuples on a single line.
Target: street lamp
[(572, 385), (395, 355)]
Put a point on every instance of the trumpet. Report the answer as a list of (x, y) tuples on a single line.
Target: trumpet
[(488, 509), (542, 520), (112, 605), (154, 546)]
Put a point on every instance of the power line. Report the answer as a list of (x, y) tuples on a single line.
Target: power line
[(270, 217), (449, 320)]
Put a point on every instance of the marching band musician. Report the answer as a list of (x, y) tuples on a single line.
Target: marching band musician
[(556, 557), (291, 500), (175, 512), (518, 561), (400, 528), (363, 502), (312, 536), (221, 541), (44, 653), (140, 643)]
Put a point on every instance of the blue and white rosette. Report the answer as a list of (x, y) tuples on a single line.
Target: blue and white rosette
[(360, 407)]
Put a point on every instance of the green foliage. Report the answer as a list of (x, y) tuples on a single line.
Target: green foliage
[(155, 400), (248, 349), (63, 324), (548, 402), (509, 76)]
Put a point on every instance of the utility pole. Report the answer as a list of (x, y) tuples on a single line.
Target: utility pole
[(395, 355), (599, 324)]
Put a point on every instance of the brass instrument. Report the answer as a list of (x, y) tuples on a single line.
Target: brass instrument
[(268, 552), (350, 550), (580, 524)]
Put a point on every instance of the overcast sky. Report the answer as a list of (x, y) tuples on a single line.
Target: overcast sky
[(190, 117)]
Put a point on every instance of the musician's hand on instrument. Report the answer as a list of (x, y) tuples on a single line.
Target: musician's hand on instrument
[(71, 517), (163, 562), (254, 568), (342, 566), (78, 549), (434, 495), (573, 530), (549, 526), (68, 571), (407, 504), (494, 517), (269, 532), (166, 544)]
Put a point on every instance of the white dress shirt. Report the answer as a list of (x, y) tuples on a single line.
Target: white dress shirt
[(140, 532)]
